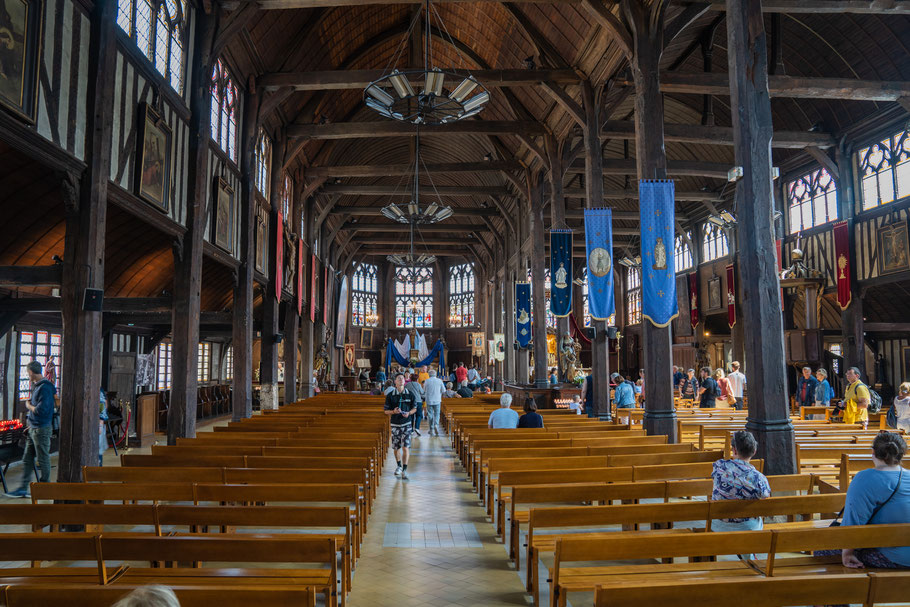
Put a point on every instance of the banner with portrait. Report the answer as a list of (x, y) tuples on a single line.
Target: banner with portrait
[(731, 295), (561, 273), (842, 265), (499, 346), (658, 275), (599, 256), (349, 356), (523, 313)]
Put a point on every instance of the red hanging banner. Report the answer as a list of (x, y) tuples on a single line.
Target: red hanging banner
[(279, 255), (731, 296), (780, 267), (842, 265), (693, 299), (313, 288), (300, 277)]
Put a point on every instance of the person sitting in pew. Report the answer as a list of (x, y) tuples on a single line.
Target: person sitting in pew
[(449, 392), (737, 479), (880, 496), (464, 391), (153, 595), (503, 417), (531, 418)]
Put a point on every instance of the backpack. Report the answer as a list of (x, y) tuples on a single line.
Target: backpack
[(875, 401), (717, 392), (891, 420)]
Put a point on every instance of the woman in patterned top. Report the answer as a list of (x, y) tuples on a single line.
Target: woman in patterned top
[(737, 479)]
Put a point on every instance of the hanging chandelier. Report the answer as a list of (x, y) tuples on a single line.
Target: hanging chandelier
[(430, 95)]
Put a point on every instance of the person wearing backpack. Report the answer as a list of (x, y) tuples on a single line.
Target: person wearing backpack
[(856, 399), (709, 390), (805, 388)]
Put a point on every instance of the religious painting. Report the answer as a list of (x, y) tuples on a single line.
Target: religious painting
[(154, 158), (470, 343), (223, 224), (366, 339), (20, 46), (262, 240), (893, 249), (714, 301)]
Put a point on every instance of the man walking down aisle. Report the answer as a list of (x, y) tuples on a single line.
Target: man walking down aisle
[(399, 404), (433, 389)]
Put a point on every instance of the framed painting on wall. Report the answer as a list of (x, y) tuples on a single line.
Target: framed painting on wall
[(714, 293), (20, 48), (153, 179), (893, 249), (366, 339), (223, 221)]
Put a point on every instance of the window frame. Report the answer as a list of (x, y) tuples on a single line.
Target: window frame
[(263, 163), (682, 252), (898, 140), (423, 293), (204, 362), (164, 365), (364, 294), (463, 295), (633, 296), (53, 350), (814, 196), (177, 27), (714, 240), (225, 96)]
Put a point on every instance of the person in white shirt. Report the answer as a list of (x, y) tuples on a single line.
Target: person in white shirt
[(433, 389), (575, 405), (736, 381), (503, 417), (473, 378), (902, 407)]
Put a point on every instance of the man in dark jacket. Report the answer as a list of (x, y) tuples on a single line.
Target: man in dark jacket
[(805, 388), (40, 415), (708, 391)]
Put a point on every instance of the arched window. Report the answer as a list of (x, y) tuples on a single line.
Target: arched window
[(714, 242), (224, 110), (413, 297), (683, 256), (263, 161), (884, 169), (812, 199), (158, 28), (633, 296), (363, 296), (461, 295)]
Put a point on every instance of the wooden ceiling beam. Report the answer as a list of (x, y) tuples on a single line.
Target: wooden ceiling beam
[(792, 87), (396, 190), (831, 7), (375, 211), (679, 168), (717, 135), (357, 130), (337, 80), (401, 227), (633, 195), (394, 170), (31, 276), (376, 241), (272, 5)]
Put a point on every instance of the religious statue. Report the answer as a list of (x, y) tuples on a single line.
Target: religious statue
[(660, 255), (561, 276), (568, 351), (290, 260), (798, 267), (599, 262), (701, 356), (321, 362)]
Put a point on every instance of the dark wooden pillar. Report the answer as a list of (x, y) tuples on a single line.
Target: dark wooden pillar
[(181, 415), (291, 331), (268, 378), (647, 37), (764, 335), (86, 216), (557, 221), (852, 318), (242, 320), (306, 323), (508, 365), (594, 198), (538, 300)]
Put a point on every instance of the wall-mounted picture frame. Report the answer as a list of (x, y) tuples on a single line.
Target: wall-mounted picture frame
[(366, 339), (223, 210), (20, 52), (714, 301), (893, 248), (262, 240), (470, 343), (154, 159)]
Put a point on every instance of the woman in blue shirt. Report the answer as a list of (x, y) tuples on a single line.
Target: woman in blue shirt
[(880, 496), (823, 391)]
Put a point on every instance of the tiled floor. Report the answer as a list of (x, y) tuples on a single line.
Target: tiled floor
[(401, 567)]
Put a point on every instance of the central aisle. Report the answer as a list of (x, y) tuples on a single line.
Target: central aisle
[(430, 543)]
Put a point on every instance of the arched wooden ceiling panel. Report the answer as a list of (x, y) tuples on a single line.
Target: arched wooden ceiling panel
[(218, 286), (138, 261)]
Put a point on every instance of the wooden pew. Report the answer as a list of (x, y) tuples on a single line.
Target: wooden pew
[(226, 594)]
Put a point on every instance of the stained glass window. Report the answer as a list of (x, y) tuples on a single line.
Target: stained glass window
[(204, 362), (164, 365), (714, 242), (158, 28), (42, 346), (461, 295), (413, 297), (224, 110), (263, 162), (633, 296), (364, 291), (884, 170), (683, 255), (812, 200)]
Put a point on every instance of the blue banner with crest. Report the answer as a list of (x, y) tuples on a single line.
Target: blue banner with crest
[(561, 272), (599, 260), (523, 313), (658, 275)]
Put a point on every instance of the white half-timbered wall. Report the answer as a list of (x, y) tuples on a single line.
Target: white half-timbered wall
[(219, 167), (818, 253), (868, 265)]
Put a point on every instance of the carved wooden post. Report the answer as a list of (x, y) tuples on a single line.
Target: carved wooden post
[(242, 325), (594, 195), (558, 221), (647, 46), (181, 414), (764, 335), (306, 323), (86, 215), (508, 365), (538, 301), (268, 378), (852, 317)]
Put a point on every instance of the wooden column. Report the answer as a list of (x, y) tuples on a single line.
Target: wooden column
[(594, 198), (268, 378), (307, 346), (498, 315), (852, 318), (764, 336), (181, 414), (557, 221), (242, 324), (291, 332), (647, 38), (538, 300), (508, 365), (86, 216)]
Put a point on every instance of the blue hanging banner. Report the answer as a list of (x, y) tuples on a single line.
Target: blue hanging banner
[(658, 275), (599, 255), (561, 273), (523, 313)]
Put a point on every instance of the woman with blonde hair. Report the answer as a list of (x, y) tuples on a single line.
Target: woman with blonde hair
[(723, 384)]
